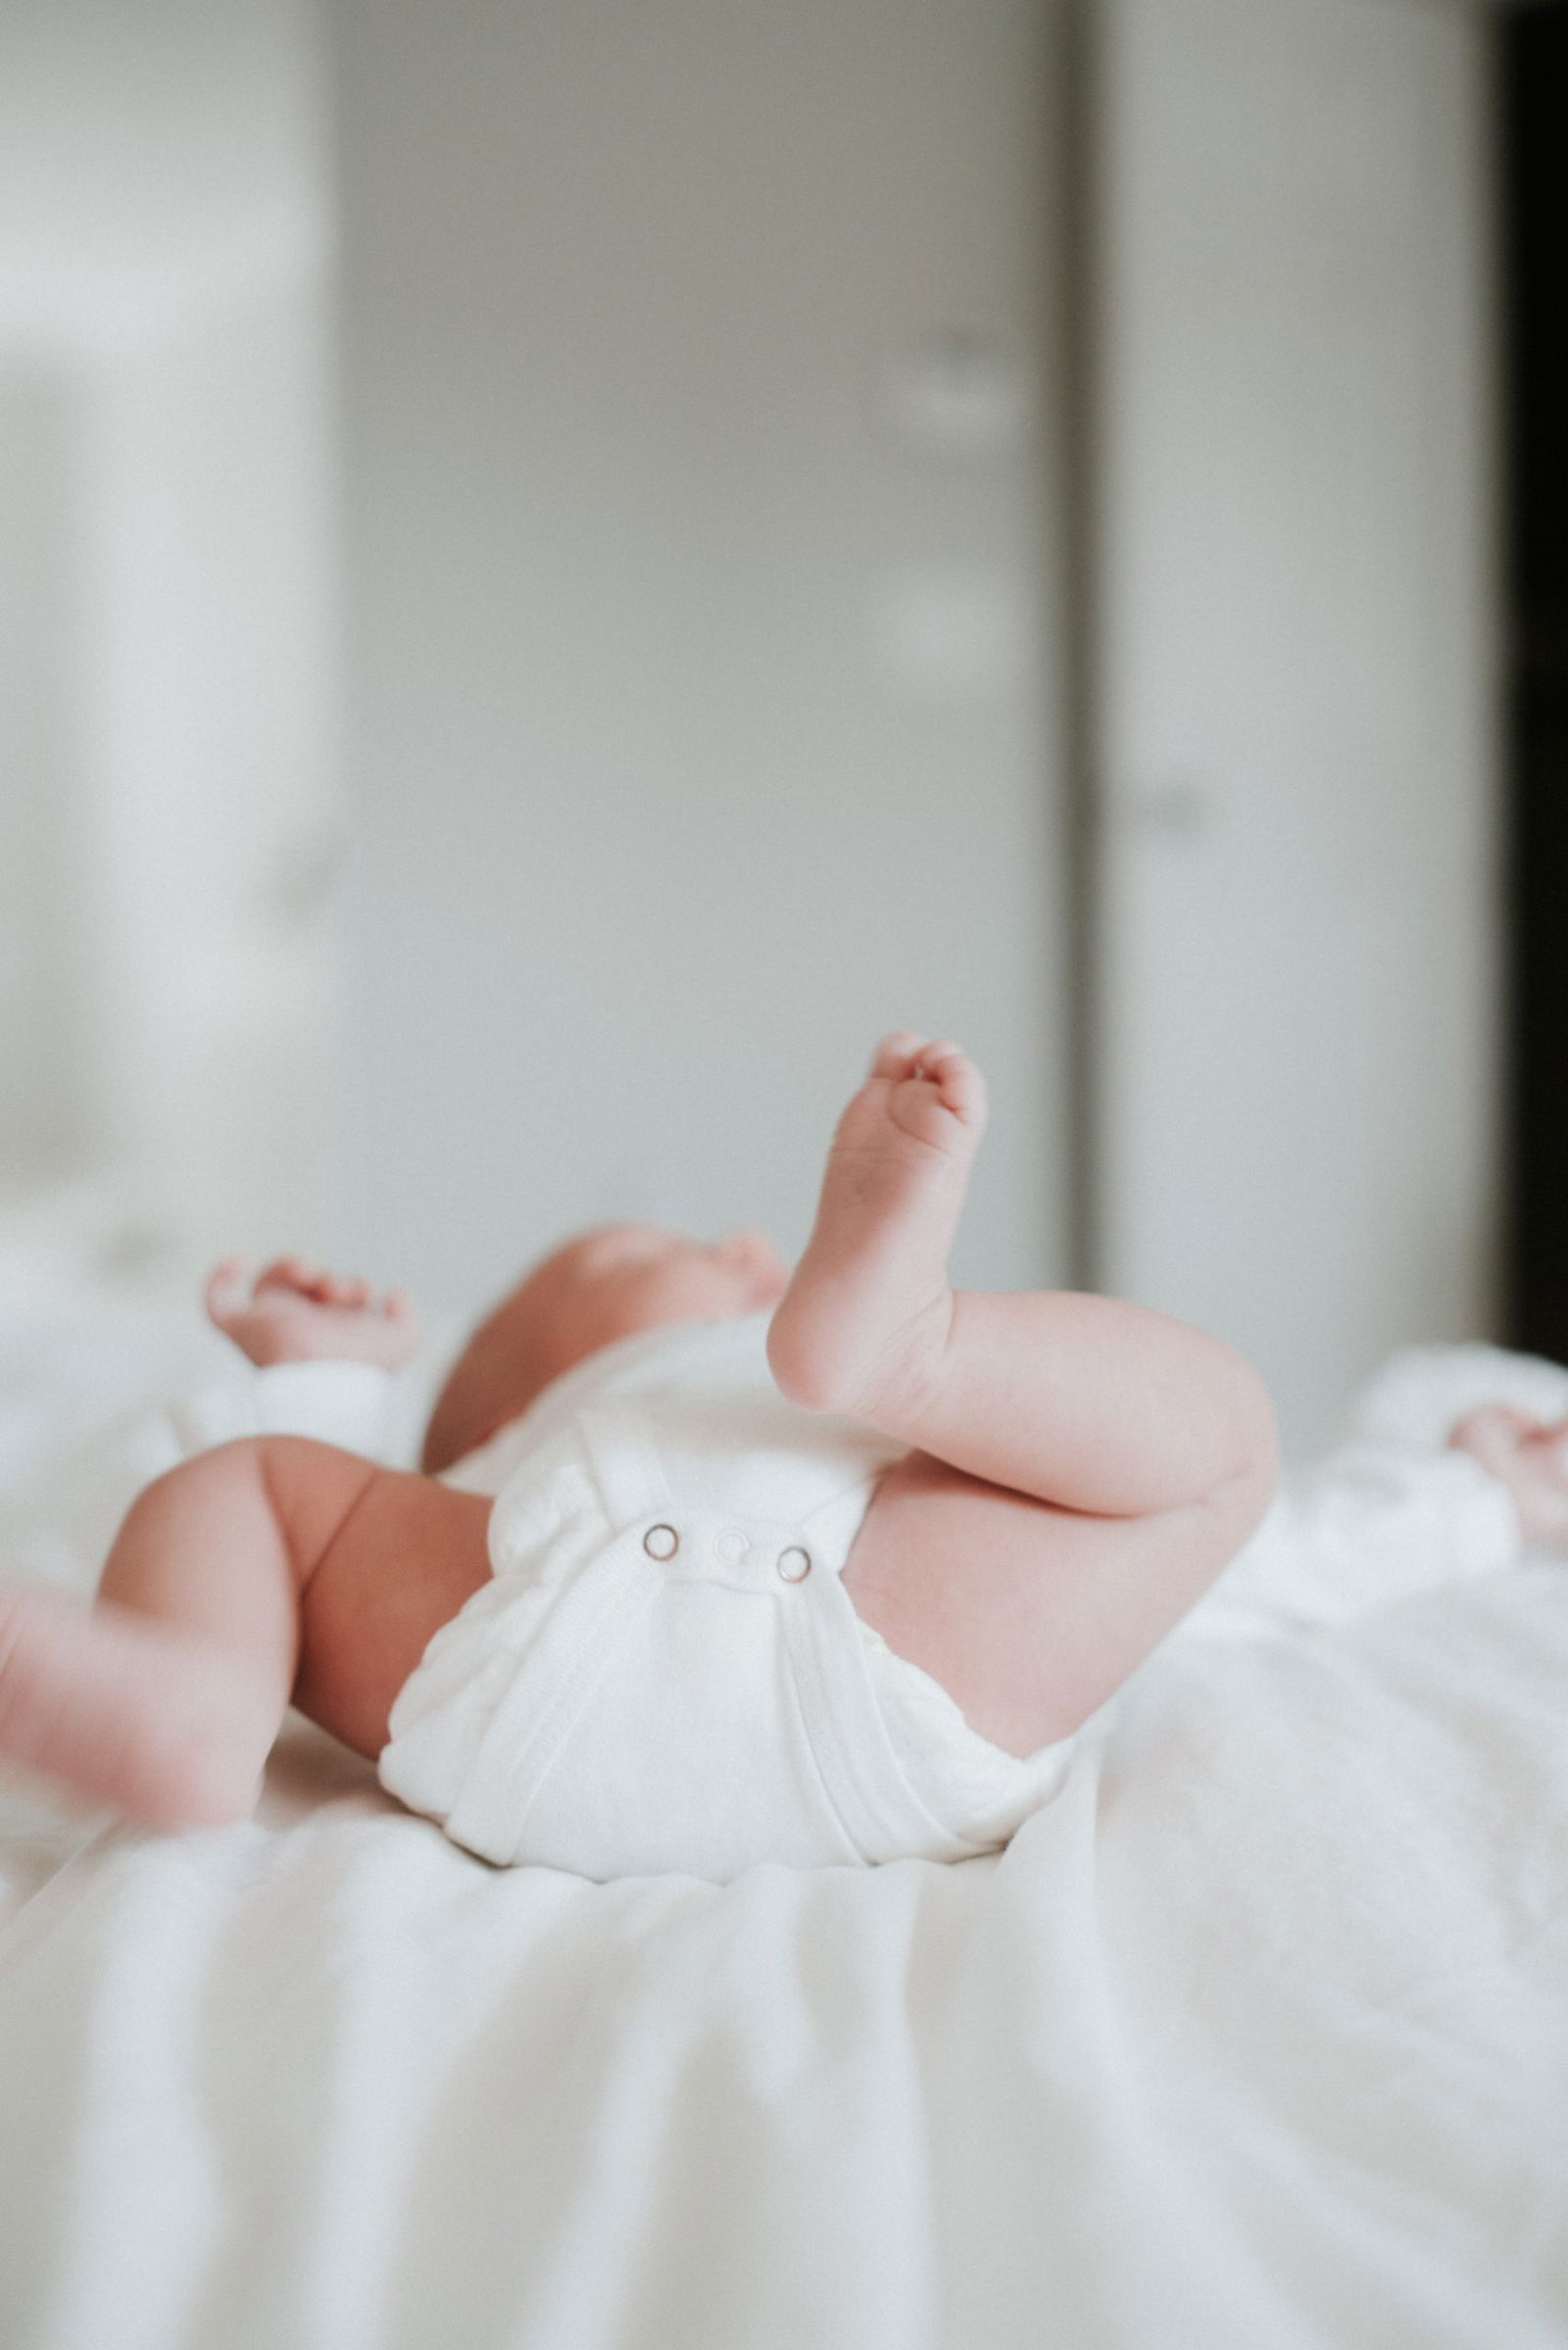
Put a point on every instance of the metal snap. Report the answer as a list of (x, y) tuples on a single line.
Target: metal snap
[(660, 1541), (793, 1564)]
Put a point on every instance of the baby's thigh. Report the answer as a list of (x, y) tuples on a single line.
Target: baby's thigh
[(406, 1559), (1028, 1615)]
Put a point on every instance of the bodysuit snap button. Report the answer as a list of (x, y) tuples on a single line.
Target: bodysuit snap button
[(660, 1541), (793, 1564), (731, 1545)]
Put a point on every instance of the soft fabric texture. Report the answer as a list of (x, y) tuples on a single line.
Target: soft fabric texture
[(666, 1672), (1256, 2034)]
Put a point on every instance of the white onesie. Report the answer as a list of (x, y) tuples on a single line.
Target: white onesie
[(614, 1710), (666, 1672)]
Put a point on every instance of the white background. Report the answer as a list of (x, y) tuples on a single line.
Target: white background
[(704, 451)]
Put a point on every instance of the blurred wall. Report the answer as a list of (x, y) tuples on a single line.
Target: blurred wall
[(694, 423), (48, 1119), (207, 701), (713, 459), (168, 641), (1295, 670)]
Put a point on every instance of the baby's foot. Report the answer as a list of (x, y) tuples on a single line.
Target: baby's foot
[(866, 1315), (1530, 1458), (296, 1312)]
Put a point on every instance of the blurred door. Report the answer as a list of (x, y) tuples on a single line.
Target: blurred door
[(1294, 679)]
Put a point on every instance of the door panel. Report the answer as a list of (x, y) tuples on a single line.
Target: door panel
[(1298, 879)]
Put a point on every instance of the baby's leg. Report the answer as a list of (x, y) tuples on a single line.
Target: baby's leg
[(267, 1569), (1081, 1469)]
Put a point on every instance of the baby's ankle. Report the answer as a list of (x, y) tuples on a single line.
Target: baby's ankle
[(820, 1363)]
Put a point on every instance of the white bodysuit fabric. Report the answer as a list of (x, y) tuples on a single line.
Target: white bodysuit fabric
[(1388, 1514), (666, 1672)]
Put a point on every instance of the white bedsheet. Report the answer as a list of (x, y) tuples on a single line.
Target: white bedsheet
[(1257, 2036)]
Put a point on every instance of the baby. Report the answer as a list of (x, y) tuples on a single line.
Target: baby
[(707, 1564)]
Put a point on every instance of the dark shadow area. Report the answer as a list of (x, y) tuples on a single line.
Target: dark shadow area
[(1534, 92)]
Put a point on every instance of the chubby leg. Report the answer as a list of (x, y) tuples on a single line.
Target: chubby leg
[(269, 1569), (1031, 1616), (1080, 1469)]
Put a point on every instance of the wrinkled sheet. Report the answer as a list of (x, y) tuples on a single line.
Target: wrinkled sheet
[(1257, 2036)]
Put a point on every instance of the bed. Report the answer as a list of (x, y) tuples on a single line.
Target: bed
[(1257, 2036)]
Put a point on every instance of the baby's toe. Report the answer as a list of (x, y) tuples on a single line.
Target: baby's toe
[(959, 1084), (288, 1273), (897, 1055)]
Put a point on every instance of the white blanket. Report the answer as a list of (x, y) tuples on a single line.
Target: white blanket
[(1257, 2036)]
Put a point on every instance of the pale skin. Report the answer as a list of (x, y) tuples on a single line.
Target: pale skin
[(1078, 1471)]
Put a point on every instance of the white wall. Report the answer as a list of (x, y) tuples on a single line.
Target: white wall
[(1295, 671), (168, 641), (47, 1116), (700, 630), (208, 692)]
